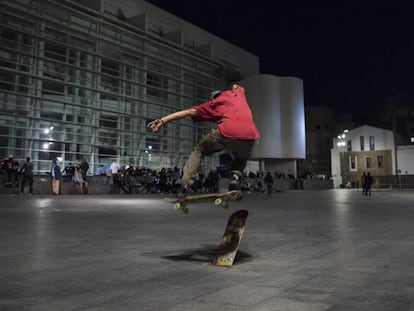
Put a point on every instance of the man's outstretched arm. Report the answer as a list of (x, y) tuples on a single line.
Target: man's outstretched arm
[(156, 124)]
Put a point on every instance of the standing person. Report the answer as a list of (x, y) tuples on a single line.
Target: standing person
[(100, 170), (69, 171), (84, 167), (175, 175), (114, 171), (77, 178), (363, 183), (108, 173), (56, 176), (236, 132), (269, 182), (163, 181), (368, 183), (27, 172)]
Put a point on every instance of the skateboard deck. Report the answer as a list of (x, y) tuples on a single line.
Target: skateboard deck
[(231, 239), (219, 199), (11, 184)]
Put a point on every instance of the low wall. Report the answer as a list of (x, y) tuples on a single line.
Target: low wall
[(103, 185), (402, 181), (42, 185), (289, 184)]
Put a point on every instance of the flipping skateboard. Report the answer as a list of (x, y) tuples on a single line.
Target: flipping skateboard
[(231, 239), (219, 199), (11, 184)]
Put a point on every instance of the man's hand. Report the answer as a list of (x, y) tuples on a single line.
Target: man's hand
[(155, 125)]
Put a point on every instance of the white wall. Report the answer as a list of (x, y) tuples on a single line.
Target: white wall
[(405, 159), (336, 164), (384, 139)]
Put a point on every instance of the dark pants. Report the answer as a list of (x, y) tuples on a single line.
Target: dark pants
[(240, 151), (269, 188), (28, 179), (12, 174)]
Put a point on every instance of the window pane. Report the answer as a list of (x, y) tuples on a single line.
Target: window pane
[(362, 141), (380, 162), (371, 143), (368, 162), (353, 163)]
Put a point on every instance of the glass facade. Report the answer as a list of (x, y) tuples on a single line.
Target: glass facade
[(77, 85)]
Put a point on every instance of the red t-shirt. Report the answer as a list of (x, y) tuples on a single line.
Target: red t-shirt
[(232, 113)]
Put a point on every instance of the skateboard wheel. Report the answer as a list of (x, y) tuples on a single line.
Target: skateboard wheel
[(177, 205), (218, 201), (185, 210)]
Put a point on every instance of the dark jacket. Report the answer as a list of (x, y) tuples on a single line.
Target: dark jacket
[(58, 175), (27, 169)]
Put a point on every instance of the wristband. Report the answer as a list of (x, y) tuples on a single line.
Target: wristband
[(162, 121)]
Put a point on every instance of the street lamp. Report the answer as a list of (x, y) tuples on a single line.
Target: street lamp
[(342, 139)]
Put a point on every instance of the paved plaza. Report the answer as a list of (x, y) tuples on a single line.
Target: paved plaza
[(302, 250)]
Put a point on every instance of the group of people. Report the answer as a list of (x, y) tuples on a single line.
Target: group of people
[(11, 168), (138, 179), (76, 173), (236, 133), (146, 180)]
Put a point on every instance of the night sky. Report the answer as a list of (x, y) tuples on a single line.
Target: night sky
[(351, 55)]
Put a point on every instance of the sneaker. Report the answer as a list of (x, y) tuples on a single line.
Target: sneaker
[(182, 192), (21, 193), (183, 188)]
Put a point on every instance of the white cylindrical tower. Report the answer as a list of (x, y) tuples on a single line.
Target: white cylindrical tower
[(278, 109)]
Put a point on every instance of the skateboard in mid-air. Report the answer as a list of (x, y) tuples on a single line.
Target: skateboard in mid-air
[(231, 239), (219, 199), (11, 186)]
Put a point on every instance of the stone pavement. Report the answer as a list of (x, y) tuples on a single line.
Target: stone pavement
[(302, 250)]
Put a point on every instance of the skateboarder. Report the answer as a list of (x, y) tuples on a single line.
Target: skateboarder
[(236, 132)]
